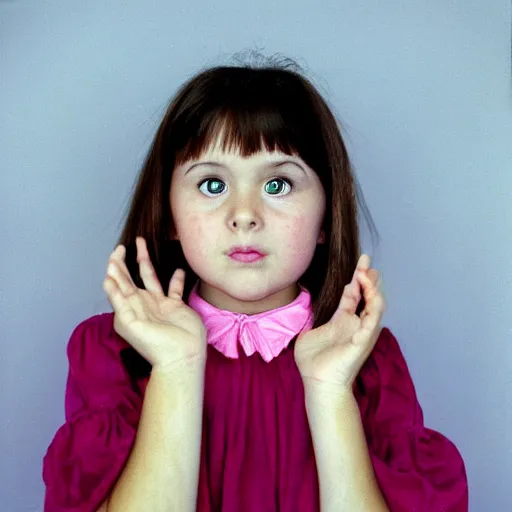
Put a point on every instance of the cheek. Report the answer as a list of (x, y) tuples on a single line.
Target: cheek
[(195, 230), (300, 240), (196, 240)]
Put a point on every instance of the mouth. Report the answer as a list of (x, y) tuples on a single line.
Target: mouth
[(247, 253), (247, 257)]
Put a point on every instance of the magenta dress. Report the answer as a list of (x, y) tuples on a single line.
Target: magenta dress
[(256, 452)]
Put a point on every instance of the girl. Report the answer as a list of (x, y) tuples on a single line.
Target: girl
[(244, 367)]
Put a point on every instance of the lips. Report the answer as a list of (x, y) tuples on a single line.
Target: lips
[(247, 249), (246, 257)]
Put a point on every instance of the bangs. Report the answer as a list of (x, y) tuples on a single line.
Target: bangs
[(246, 111)]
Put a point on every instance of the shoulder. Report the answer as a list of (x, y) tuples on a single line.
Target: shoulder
[(386, 365), (387, 342), (94, 347), (387, 351), (384, 388)]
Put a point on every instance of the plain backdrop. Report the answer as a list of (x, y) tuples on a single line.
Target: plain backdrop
[(423, 90)]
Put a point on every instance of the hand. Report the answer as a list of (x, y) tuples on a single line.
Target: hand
[(162, 329), (331, 355)]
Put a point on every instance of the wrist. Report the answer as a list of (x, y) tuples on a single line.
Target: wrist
[(326, 392), (321, 398), (187, 367)]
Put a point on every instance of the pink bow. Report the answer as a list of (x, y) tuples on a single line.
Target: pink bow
[(267, 333)]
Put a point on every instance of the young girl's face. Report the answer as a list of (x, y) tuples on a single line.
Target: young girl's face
[(269, 199)]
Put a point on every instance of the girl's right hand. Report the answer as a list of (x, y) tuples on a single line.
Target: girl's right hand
[(161, 328)]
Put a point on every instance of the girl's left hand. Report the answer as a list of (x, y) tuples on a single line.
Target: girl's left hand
[(331, 355)]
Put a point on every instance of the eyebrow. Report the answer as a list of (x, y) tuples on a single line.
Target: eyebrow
[(274, 165)]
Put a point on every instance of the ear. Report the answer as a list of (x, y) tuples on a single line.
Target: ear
[(321, 237)]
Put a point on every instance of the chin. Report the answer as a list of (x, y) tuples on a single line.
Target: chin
[(245, 290), (251, 288), (249, 294)]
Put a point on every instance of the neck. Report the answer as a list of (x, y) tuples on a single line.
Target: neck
[(222, 300)]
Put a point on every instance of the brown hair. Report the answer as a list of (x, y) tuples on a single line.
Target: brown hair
[(260, 107)]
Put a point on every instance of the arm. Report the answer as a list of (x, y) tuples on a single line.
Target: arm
[(346, 477), (116, 439), (416, 467), (162, 471)]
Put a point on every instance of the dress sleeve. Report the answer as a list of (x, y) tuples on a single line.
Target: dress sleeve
[(417, 469), (102, 410)]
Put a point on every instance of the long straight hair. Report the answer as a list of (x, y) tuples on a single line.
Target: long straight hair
[(270, 106)]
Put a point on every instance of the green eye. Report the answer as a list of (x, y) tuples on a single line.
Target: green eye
[(215, 186), (273, 187), (212, 189)]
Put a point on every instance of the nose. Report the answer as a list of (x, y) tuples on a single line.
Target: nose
[(245, 216), (243, 225)]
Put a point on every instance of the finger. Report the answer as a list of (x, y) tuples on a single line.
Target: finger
[(363, 263), (352, 292), (375, 303), (146, 269), (362, 267), (369, 289), (374, 313), (177, 284), (351, 295), (373, 275), (350, 298), (114, 294), (119, 255), (123, 282)]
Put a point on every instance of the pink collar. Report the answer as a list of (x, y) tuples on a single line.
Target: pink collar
[(267, 333)]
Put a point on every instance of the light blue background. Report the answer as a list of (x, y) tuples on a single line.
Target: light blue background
[(423, 90)]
